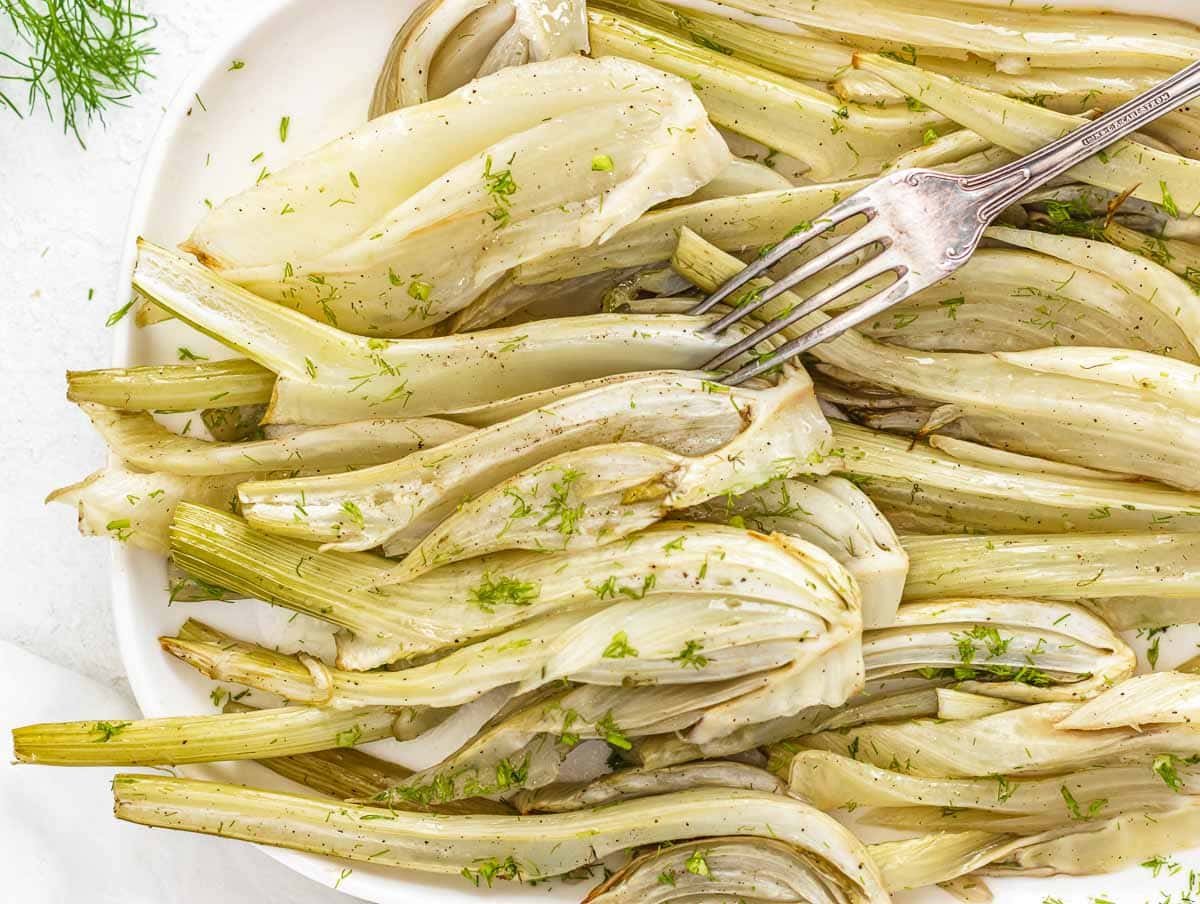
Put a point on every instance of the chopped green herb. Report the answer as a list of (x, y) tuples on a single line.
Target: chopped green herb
[(119, 314), (503, 590), (567, 737), (1004, 789), (1164, 768), (607, 590), (511, 345), (1168, 202), (675, 545), (355, 513), (619, 647), (1076, 811), (490, 870), (567, 516), (612, 734), (709, 44), (697, 865), (952, 305), (120, 528), (689, 656), (1157, 864), (109, 730), (648, 583), (907, 54), (500, 187)]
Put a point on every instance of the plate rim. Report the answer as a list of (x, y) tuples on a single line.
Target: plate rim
[(121, 589)]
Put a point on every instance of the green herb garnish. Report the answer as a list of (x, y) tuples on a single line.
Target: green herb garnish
[(92, 51), (502, 590), (619, 648)]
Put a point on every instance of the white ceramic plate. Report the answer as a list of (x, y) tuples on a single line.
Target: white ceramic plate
[(315, 62)]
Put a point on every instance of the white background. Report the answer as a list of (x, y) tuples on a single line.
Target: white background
[(62, 223)]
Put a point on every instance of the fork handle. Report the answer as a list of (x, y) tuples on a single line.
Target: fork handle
[(1007, 184)]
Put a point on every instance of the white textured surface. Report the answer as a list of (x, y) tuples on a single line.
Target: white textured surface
[(58, 833), (62, 222)]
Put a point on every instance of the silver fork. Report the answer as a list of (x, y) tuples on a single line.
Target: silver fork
[(928, 224)]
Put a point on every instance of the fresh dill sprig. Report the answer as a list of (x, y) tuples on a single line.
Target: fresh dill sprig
[(91, 50)]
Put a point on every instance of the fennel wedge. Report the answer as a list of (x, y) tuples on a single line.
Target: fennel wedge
[(571, 500), (136, 508), (490, 191), (326, 375), (943, 486), (1023, 650), (199, 739), (789, 582), (829, 137), (1023, 128), (993, 803), (1110, 409), (736, 868), (736, 223), (143, 443), (396, 505), (833, 514), (1014, 39), (537, 846), (1022, 741), (1133, 579), (447, 43), (173, 387)]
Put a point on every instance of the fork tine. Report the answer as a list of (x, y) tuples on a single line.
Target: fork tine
[(835, 216), (849, 245), (832, 327), (877, 266)]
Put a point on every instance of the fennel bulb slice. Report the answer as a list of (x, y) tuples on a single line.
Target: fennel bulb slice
[(600, 494), (537, 846), (446, 43), (778, 580), (1156, 175), (944, 486), (396, 505), (1117, 410), (833, 139), (453, 193), (1015, 39), (142, 443), (328, 376), (835, 515)]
